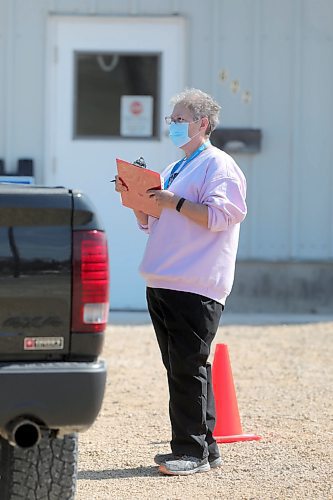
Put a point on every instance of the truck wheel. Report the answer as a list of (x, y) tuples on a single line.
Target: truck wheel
[(46, 471)]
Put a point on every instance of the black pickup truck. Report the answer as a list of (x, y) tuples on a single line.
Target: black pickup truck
[(54, 286)]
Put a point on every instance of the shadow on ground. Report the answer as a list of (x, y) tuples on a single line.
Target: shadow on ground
[(99, 475)]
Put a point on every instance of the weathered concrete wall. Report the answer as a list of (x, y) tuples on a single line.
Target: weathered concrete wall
[(293, 287)]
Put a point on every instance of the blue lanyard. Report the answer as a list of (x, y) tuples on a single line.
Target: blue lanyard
[(183, 162)]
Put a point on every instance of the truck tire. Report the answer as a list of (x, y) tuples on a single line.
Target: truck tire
[(47, 471)]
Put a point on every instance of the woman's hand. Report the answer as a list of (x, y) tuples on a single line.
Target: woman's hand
[(164, 198), (197, 212), (141, 217), (120, 187)]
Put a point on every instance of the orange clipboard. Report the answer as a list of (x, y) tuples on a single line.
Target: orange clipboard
[(138, 180)]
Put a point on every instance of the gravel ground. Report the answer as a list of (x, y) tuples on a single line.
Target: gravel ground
[(284, 382)]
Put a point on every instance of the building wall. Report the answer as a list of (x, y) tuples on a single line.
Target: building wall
[(280, 52), (282, 287)]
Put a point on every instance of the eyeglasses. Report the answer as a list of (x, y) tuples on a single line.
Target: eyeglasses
[(169, 120)]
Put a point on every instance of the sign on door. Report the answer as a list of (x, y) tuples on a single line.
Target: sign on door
[(136, 117)]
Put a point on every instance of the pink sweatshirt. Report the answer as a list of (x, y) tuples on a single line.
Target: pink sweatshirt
[(182, 255)]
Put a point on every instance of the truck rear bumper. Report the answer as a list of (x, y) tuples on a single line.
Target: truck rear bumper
[(65, 395)]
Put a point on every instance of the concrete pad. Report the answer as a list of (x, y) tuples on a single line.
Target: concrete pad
[(228, 318)]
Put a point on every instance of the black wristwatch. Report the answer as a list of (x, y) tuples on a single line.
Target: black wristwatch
[(180, 204)]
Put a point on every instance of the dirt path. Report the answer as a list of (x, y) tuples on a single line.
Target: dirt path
[(284, 382)]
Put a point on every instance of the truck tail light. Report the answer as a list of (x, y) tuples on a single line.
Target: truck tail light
[(90, 302)]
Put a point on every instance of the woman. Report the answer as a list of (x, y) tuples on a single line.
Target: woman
[(189, 265)]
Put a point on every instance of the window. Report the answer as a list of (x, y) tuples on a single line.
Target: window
[(116, 95)]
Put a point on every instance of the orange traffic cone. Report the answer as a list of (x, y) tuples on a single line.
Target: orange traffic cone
[(228, 428)]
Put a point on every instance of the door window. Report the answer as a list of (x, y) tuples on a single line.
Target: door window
[(116, 95)]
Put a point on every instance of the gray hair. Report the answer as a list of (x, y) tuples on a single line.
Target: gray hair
[(200, 104)]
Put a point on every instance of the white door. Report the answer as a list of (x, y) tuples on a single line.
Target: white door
[(109, 84)]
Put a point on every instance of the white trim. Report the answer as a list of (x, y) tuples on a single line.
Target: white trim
[(108, 19), (8, 87), (50, 96)]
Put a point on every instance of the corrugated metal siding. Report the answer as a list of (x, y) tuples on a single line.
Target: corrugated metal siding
[(315, 208), (23, 81), (280, 51)]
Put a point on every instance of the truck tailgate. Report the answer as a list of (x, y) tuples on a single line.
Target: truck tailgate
[(35, 272)]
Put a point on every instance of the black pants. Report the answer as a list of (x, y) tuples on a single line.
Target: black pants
[(185, 325)]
